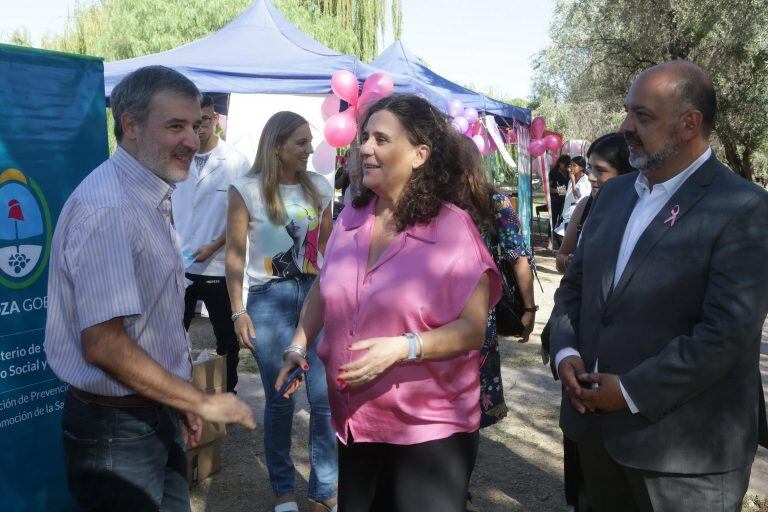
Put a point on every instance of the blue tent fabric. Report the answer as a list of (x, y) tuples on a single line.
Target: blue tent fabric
[(258, 52), (411, 76)]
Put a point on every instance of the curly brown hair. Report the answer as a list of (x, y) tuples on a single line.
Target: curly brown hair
[(437, 180), (476, 193)]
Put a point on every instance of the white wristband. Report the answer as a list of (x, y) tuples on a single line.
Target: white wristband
[(411, 337)]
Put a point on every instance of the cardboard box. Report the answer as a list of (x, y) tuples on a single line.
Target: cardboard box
[(210, 376), (202, 461)]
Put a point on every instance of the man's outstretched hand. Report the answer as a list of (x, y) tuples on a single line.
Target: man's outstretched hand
[(226, 408)]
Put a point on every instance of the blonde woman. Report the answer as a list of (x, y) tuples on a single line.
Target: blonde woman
[(282, 213)]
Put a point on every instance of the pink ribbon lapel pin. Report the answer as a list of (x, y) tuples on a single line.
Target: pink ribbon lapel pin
[(673, 218)]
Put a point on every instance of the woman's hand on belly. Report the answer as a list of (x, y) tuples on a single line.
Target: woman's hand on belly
[(382, 353)]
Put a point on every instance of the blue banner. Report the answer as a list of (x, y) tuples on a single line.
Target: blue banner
[(52, 134), (524, 188)]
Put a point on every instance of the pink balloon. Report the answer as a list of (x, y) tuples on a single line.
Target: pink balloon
[(480, 143), (330, 106), (380, 83), (536, 147), (471, 115), (478, 129), (344, 85), (460, 124), (324, 158), (552, 142), (538, 125), (341, 128), (455, 108), (365, 101)]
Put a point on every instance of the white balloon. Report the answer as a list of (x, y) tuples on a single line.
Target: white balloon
[(324, 158), (330, 106)]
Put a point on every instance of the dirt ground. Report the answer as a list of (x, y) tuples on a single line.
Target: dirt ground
[(519, 465)]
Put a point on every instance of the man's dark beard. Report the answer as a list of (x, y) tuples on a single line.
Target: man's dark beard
[(650, 162)]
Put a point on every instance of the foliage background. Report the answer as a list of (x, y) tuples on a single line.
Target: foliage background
[(599, 46), (580, 79)]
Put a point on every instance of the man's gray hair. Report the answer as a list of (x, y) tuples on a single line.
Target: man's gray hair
[(134, 92)]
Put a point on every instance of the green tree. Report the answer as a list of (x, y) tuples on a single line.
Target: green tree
[(19, 36), (122, 29), (599, 46), (347, 26)]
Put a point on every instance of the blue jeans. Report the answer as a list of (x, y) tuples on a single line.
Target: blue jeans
[(124, 459), (274, 309)]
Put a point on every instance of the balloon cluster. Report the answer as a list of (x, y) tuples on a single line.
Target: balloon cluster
[(341, 127), (467, 121), (539, 142)]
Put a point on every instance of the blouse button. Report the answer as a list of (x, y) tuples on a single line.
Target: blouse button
[(351, 332)]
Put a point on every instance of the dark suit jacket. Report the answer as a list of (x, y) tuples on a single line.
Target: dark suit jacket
[(682, 328)]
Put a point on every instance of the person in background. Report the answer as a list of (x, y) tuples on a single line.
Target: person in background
[(200, 217), (579, 189), (608, 157), (558, 185), (282, 213), (403, 301), (115, 301), (496, 219)]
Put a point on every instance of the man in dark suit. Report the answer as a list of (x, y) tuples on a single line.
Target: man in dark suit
[(664, 305)]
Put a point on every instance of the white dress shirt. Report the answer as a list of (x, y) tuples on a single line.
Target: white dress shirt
[(200, 205), (649, 204)]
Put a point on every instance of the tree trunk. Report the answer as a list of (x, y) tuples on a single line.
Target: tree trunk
[(354, 169), (741, 164)]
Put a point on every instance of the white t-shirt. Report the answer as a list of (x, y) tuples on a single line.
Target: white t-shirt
[(290, 249), (584, 187)]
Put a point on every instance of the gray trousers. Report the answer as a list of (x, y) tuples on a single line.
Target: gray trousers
[(612, 487)]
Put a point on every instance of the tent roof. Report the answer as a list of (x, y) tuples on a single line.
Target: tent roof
[(410, 75), (258, 52), (262, 52)]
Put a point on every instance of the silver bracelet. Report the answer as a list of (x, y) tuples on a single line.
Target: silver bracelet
[(298, 349), (411, 337), (239, 312), (421, 345)]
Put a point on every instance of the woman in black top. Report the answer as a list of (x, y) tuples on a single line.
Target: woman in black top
[(558, 182)]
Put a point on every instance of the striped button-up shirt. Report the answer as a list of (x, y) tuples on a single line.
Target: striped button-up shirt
[(114, 255)]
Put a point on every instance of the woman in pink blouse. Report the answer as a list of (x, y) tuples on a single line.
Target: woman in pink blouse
[(403, 299)]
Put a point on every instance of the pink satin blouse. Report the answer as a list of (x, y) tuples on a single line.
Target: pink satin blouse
[(421, 282)]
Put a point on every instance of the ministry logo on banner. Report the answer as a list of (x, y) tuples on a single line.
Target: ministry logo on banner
[(25, 230)]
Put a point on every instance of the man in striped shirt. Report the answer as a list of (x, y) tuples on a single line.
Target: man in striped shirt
[(116, 302)]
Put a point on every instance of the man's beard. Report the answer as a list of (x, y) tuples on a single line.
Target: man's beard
[(151, 156), (655, 160)]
